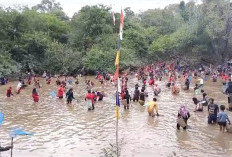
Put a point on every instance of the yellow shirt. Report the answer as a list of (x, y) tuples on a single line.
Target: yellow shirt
[(151, 106)]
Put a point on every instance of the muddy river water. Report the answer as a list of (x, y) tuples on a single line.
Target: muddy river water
[(62, 130)]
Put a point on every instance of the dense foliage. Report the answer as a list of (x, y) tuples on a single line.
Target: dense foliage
[(45, 38)]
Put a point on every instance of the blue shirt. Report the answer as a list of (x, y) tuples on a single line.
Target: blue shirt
[(222, 116)]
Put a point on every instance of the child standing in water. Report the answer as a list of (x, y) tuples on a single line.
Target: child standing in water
[(222, 118)]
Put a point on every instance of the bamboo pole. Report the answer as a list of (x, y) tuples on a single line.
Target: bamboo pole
[(12, 142)]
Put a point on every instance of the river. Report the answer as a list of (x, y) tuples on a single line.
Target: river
[(62, 130)]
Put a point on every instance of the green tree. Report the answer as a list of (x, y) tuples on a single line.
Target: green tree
[(88, 24), (7, 65), (48, 6), (60, 58)]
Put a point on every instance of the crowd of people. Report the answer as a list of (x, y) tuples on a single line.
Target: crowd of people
[(169, 72), (172, 73), (62, 89)]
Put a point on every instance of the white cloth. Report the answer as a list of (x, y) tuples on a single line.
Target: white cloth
[(89, 103), (19, 86)]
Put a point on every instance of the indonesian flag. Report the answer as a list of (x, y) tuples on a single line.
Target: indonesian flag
[(113, 18), (121, 24)]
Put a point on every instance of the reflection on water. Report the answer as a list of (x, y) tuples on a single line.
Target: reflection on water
[(70, 130)]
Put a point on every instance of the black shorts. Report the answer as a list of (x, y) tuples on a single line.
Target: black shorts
[(69, 101), (222, 124)]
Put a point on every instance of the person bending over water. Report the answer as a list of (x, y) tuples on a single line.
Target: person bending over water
[(204, 98), (175, 89), (152, 105), (100, 96), (198, 105)]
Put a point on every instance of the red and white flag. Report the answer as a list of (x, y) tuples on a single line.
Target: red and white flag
[(121, 24)]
